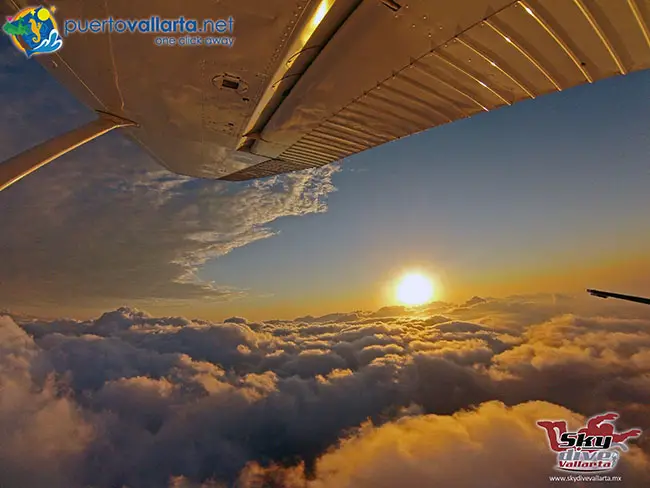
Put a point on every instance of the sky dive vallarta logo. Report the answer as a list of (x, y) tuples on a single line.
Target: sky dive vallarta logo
[(595, 447), (33, 30)]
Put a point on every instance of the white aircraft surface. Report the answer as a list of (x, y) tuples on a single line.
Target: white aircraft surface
[(307, 83)]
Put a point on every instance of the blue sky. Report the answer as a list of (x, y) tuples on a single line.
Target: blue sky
[(551, 194), (563, 180)]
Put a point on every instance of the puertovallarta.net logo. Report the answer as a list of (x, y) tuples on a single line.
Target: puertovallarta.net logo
[(34, 31)]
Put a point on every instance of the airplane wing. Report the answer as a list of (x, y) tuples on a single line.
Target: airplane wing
[(307, 83), (608, 294)]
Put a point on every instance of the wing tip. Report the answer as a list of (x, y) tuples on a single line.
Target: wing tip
[(597, 293)]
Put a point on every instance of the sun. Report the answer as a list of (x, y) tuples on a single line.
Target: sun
[(414, 289)]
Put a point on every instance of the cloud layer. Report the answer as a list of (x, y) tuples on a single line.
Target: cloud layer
[(348, 400)]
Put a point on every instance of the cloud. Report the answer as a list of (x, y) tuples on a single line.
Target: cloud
[(493, 445), (106, 224), (142, 401), (40, 425)]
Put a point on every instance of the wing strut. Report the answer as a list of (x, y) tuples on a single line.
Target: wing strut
[(32, 159)]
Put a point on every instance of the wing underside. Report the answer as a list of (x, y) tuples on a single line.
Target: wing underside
[(307, 83)]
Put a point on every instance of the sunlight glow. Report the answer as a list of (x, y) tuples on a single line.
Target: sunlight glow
[(320, 14), (414, 289)]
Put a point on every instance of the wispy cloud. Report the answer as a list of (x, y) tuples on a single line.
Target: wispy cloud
[(106, 224)]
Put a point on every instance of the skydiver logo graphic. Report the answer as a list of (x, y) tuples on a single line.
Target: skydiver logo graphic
[(595, 447)]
